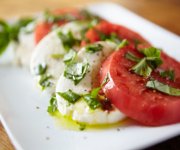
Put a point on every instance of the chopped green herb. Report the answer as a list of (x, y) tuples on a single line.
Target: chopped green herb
[(132, 57), (145, 66), (92, 102), (52, 108), (40, 69), (70, 96), (15, 28), (68, 40), (94, 48), (113, 37), (95, 91), (4, 36), (91, 99), (122, 44), (142, 68), (44, 81), (167, 74), (151, 52), (76, 71), (82, 126), (70, 56), (57, 56), (156, 85), (10, 33)]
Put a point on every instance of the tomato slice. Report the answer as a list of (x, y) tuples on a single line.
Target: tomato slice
[(43, 28), (107, 28), (128, 91)]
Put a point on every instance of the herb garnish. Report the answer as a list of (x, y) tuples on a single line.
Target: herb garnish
[(113, 37), (57, 56), (76, 71), (82, 126), (169, 74), (10, 33), (52, 108), (68, 40), (132, 57), (123, 43), (92, 48), (70, 96), (70, 56), (91, 99), (4, 36), (164, 88), (40, 69), (44, 81), (145, 66)]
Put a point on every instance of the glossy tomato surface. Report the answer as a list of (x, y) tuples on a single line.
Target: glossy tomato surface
[(106, 28), (128, 91)]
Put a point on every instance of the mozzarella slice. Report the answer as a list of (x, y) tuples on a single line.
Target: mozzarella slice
[(26, 45), (80, 111), (52, 44)]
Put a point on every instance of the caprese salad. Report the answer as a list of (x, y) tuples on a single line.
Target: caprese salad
[(96, 72)]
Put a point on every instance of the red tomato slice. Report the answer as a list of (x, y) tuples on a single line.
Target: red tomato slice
[(108, 28), (43, 28), (127, 91)]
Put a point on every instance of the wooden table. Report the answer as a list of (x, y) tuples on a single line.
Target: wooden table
[(165, 13)]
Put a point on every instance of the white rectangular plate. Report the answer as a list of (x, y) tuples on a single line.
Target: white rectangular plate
[(33, 129)]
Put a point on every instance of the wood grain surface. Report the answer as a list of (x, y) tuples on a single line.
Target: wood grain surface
[(165, 13)]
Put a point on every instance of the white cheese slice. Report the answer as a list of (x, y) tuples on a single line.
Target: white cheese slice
[(80, 111)]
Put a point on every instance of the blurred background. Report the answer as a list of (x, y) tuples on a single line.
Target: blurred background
[(165, 13)]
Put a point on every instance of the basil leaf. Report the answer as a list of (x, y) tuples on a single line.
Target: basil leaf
[(145, 66), (154, 62), (132, 57), (122, 44), (70, 56), (167, 74), (76, 71), (94, 48), (95, 91), (156, 85), (4, 36), (52, 108), (113, 37), (70, 96), (57, 56), (92, 102), (142, 68), (15, 28), (44, 81), (82, 126), (40, 69), (68, 40), (151, 52)]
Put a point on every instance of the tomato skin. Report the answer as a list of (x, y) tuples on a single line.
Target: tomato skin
[(128, 93), (107, 28)]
